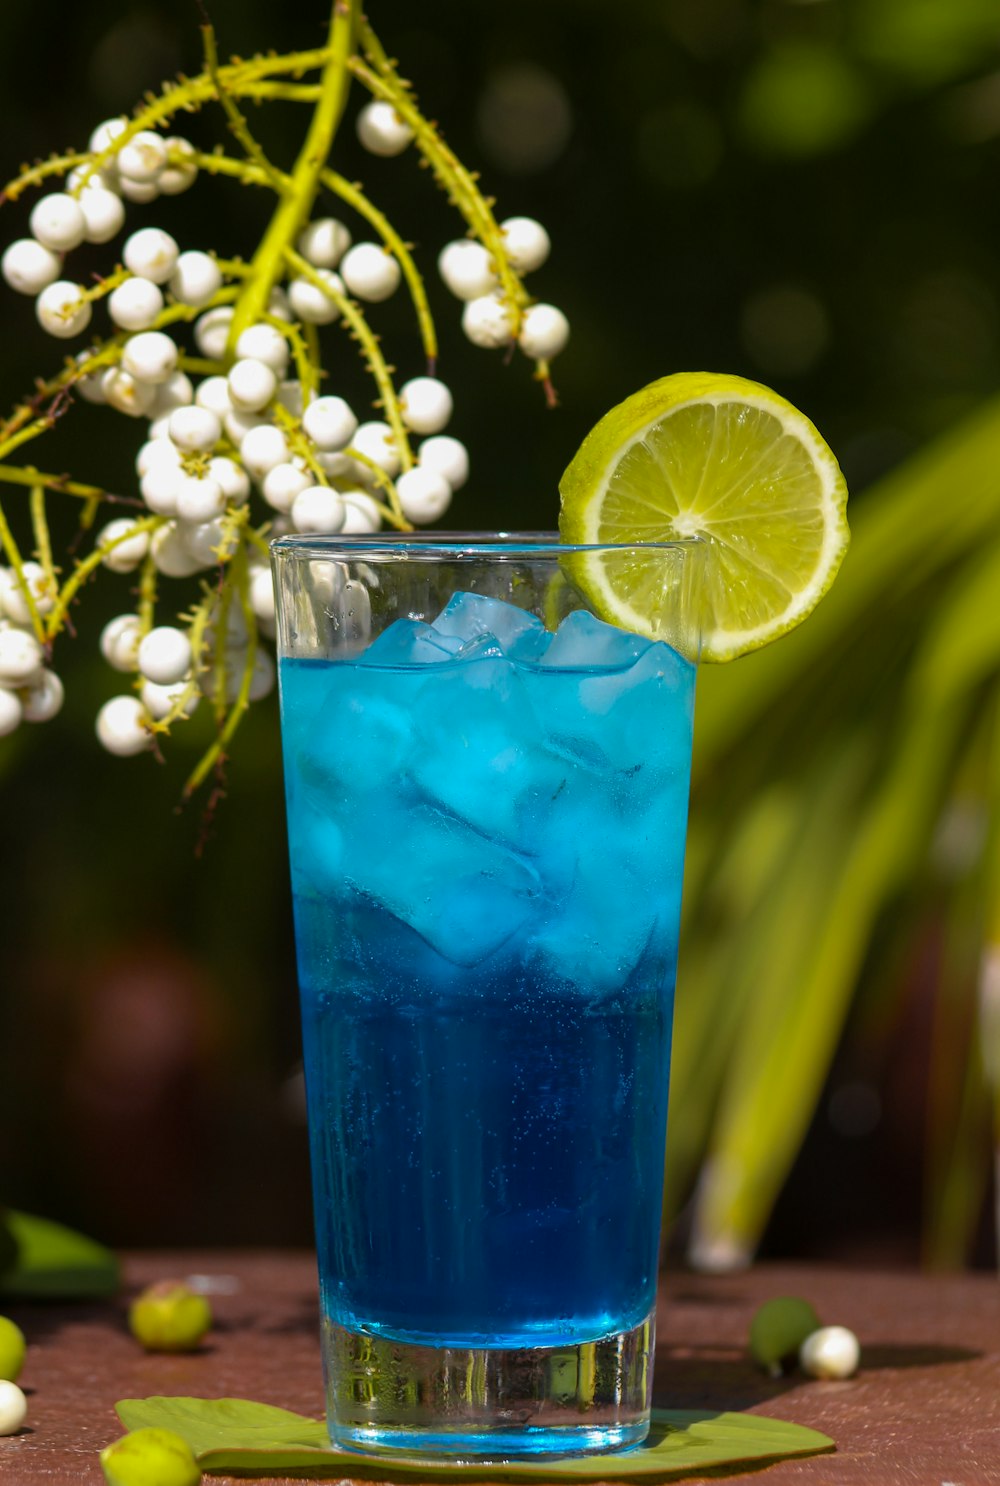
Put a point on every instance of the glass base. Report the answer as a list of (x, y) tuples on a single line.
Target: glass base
[(488, 1404)]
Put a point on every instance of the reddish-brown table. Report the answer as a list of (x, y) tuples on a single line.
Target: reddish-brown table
[(924, 1410)]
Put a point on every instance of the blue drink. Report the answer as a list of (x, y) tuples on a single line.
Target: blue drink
[(486, 822)]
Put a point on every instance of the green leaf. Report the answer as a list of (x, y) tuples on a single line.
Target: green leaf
[(53, 1262), (235, 1434)]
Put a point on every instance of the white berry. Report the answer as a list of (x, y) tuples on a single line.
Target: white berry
[(170, 554), (526, 241), (194, 429), (208, 542), (467, 269), (544, 332), (238, 424), (90, 387), (57, 221), (309, 302), (282, 483), (262, 593), (159, 700), (62, 309), (211, 331), (175, 392), (135, 304), (447, 457), (120, 642), (252, 385), (14, 600), (29, 267), (13, 1407), (361, 514), (11, 711), (20, 656), (831, 1352), (182, 168), (103, 214), (426, 404), (150, 356), (486, 322), (143, 158), (199, 498), (375, 441), (151, 254), (43, 698), (423, 495), (231, 477), (139, 191), (165, 655), (263, 448), (130, 546), (381, 130), (264, 343), (159, 486), (126, 393), (324, 242), (213, 393), (318, 508), (370, 272), (122, 726), (195, 279), (329, 422), (105, 135)]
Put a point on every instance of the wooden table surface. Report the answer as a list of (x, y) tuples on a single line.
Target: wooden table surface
[(923, 1411)]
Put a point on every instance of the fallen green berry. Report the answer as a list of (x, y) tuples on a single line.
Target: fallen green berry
[(169, 1317), (778, 1330), (12, 1350), (150, 1457)]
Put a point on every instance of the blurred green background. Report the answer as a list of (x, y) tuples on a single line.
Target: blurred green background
[(801, 191)]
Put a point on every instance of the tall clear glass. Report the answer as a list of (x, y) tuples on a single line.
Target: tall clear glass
[(487, 796)]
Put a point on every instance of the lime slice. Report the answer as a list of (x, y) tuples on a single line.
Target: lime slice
[(726, 460)]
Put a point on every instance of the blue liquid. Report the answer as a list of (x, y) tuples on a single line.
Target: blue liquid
[(487, 857)]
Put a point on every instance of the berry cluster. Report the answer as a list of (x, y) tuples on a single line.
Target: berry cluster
[(246, 435)]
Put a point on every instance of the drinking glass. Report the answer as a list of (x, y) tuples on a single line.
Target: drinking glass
[(487, 795)]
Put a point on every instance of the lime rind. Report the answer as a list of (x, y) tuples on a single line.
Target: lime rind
[(743, 470)]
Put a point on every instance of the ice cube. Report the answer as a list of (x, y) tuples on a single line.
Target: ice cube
[(479, 754), (583, 642), (362, 735), (468, 615), (409, 642), (465, 895)]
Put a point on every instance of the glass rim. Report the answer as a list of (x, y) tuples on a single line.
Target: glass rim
[(460, 544)]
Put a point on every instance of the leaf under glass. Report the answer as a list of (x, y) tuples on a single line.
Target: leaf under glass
[(235, 1434)]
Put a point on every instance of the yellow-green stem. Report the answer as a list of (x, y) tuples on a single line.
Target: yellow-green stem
[(293, 210)]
